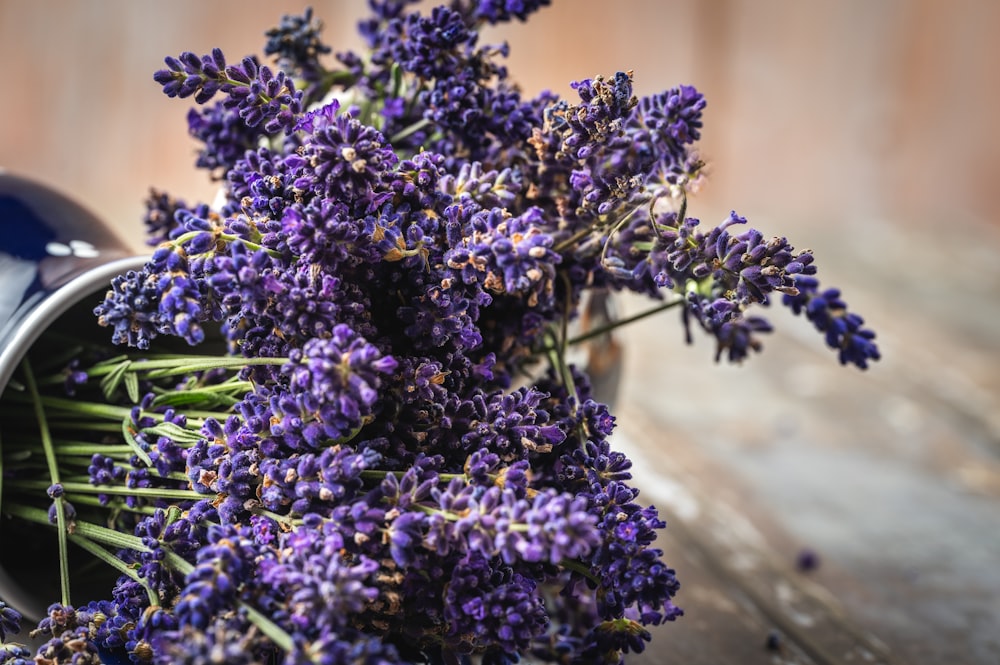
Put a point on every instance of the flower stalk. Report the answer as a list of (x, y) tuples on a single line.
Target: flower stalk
[(55, 490)]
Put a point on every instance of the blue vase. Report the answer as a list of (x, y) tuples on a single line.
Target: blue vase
[(56, 261), (53, 254)]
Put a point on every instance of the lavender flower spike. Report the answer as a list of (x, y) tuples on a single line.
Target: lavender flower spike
[(10, 621), (828, 312), (260, 95), (333, 388)]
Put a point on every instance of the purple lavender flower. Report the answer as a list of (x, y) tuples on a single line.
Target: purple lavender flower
[(15, 654), (182, 535), (297, 45), (347, 646), (478, 120), (417, 182), (735, 333), (608, 640), (489, 605), (104, 471), (58, 619), (443, 318), (259, 95), (413, 487), (595, 464), (229, 638), (660, 131), (374, 29), (549, 528), (319, 588), (225, 562), (69, 647), (506, 254), (159, 219), (225, 134), (241, 279), (828, 312), (337, 379), (578, 150), (583, 129), (262, 183), (380, 492), (489, 189), (131, 309), (497, 11), (310, 483), (434, 45), (10, 621), (301, 302), (69, 512), (511, 425), (166, 297), (630, 571), (347, 158), (744, 264)]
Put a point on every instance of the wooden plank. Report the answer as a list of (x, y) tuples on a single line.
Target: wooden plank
[(744, 602), (892, 475)]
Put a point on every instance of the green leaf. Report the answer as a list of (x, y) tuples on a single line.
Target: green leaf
[(132, 386), (174, 432), (396, 73), (110, 383), (133, 443)]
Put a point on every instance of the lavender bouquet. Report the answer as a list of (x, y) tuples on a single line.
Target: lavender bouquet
[(378, 451)]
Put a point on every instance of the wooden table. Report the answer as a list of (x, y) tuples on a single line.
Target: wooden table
[(891, 476)]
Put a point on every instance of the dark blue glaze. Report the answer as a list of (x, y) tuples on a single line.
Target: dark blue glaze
[(46, 240), (54, 254)]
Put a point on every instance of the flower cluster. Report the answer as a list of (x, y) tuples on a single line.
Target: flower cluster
[(379, 451)]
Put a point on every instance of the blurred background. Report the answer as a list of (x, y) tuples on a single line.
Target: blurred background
[(863, 129), (816, 111)]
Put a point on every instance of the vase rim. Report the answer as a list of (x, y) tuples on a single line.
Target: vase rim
[(53, 304)]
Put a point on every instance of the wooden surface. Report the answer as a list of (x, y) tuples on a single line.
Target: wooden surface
[(891, 476)]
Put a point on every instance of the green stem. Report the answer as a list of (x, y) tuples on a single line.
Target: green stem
[(116, 413), (87, 530), (78, 407), (228, 237), (376, 474), (92, 533), (110, 537), (201, 365), (128, 434), (597, 332), (174, 365), (577, 567), (593, 226), (272, 630), (557, 357), (103, 555), (250, 245), (407, 131), (567, 310), (87, 488), (90, 500), (287, 520), (86, 450), (618, 227), (50, 458), (87, 425)]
